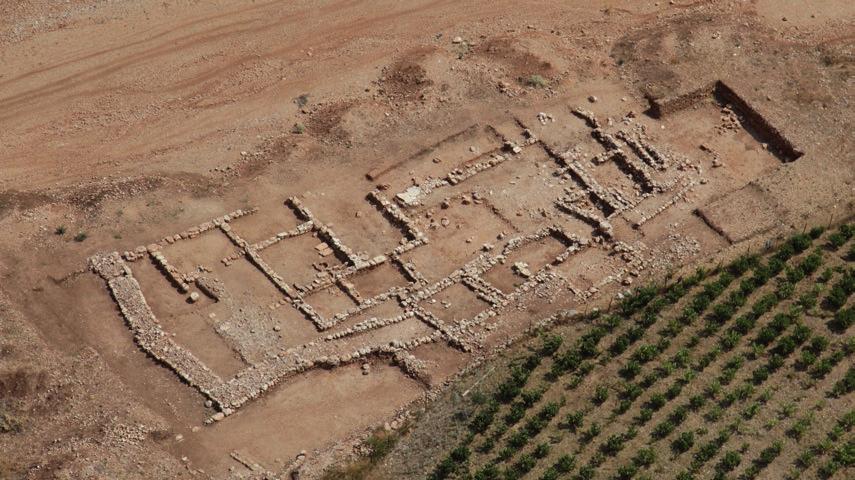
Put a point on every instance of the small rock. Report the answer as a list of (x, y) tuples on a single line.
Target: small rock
[(457, 40), (194, 297), (592, 99), (522, 269)]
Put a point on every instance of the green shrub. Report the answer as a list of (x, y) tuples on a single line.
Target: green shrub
[(9, 423), (836, 240), (487, 472), (565, 463), (644, 416), (751, 410), (530, 397), (519, 439), (515, 414), (645, 353), (663, 429), (713, 414), (840, 291), (590, 433), (729, 461), (612, 445), (484, 418), (843, 319), (573, 420), (444, 470), (550, 474), (536, 81), (770, 453), (674, 390), (845, 454), (586, 473), (684, 442), (601, 394), (805, 459), (800, 427), (644, 458), (630, 370), (626, 472), (524, 464), (845, 385), (550, 343), (541, 450)]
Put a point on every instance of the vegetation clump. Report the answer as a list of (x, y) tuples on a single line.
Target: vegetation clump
[(536, 81), (717, 347)]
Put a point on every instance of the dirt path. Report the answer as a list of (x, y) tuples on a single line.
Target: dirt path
[(124, 123)]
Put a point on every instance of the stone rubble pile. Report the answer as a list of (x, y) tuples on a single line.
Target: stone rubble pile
[(337, 348), (412, 366), (682, 194), (651, 157), (575, 203), (460, 174), (326, 234), (302, 229), (145, 328), (372, 323), (393, 294), (397, 217), (192, 232), (485, 291), (172, 273), (645, 151)]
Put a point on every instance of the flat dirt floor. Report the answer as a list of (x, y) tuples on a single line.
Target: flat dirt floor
[(237, 237)]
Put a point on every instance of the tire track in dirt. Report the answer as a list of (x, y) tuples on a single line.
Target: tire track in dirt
[(196, 40), (162, 33)]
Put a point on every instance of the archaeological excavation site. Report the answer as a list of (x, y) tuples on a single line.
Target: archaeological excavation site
[(328, 240)]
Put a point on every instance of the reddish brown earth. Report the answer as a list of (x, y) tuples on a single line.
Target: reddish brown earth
[(133, 121)]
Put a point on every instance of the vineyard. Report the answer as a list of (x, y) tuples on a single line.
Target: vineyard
[(741, 371)]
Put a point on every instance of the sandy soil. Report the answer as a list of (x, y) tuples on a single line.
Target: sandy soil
[(122, 123)]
